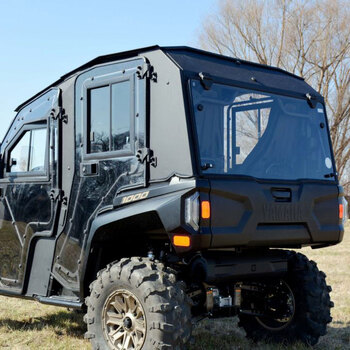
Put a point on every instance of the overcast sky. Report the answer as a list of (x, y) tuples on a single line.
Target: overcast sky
[(42, 40)]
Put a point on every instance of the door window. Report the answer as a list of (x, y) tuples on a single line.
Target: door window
[(109, 116), (28, 155), (121, 116)]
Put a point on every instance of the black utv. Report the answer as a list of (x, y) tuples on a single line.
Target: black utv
[(152, 187)]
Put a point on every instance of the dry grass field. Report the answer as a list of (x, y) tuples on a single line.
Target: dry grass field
[(30, 325)]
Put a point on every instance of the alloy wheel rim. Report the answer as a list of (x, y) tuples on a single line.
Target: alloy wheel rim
[(280, 323), (124, 321)]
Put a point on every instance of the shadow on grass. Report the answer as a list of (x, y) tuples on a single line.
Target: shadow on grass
[(62, 323), (339, 335), (218, 336)]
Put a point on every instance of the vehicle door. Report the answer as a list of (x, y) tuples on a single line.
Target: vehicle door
[(27, 179), (110, 129)]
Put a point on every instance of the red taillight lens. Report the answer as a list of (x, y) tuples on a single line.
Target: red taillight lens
[(341, 211)]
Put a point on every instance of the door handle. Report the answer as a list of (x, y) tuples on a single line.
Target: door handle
[(282, 194), (89, 169)]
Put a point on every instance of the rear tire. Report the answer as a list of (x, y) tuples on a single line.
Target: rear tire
[(310, 295), (138, 304)]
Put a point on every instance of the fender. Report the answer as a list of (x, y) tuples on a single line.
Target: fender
[(167, 206)]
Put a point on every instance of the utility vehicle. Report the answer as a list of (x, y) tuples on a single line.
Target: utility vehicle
[(152, 187)]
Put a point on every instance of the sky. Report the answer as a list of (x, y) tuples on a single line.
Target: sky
[(42, 40)]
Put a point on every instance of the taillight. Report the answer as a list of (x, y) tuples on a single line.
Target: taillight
[(341, 211), (192, 211), (196, 209)]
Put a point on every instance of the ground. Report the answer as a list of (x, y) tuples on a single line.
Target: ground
[(30, 325)]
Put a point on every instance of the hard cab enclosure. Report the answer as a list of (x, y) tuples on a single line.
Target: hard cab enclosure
[(128, 151)]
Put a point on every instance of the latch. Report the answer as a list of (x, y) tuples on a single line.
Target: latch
[(311, 100), (146, 155), (57, 195), (146, 71), (206, 80), (60, 114)]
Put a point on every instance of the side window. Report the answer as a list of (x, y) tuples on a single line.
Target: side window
[(28, 154), (37, 150), (121, 112), (18, 157), (99, 119), (109, 116)]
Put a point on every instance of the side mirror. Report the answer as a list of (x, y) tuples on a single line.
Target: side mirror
[(13, 162)]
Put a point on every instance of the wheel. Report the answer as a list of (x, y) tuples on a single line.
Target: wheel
[(296, 308), (137, 304)]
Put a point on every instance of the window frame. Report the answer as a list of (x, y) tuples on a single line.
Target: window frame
[(40, 175), (99, 82)]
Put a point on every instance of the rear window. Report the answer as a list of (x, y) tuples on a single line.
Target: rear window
[(262, 135)]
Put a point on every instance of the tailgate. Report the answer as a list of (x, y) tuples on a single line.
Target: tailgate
[(251, 213)]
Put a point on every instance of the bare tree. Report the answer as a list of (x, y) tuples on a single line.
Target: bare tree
[(310, 38)]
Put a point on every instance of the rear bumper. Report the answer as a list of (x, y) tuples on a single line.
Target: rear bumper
[(223, 266)]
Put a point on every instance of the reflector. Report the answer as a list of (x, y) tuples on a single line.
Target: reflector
[(205, 210), (181, 241)]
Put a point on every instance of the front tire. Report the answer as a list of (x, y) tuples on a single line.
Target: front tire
[(311, 307), (138, 304)]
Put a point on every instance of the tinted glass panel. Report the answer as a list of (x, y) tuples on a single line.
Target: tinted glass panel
[(19, 155), (250, 123), (121, 110), (99, 118), (38, 150), (28, 155), (260, 134)]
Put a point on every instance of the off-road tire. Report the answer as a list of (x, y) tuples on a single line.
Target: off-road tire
[(312, 306), (166, 306)]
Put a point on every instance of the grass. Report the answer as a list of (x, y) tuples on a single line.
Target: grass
[(30, 325)]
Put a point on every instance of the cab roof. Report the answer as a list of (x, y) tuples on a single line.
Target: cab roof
[(192, 59)]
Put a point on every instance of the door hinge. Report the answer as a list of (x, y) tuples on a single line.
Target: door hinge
[(311, 100), (206, 80), (146, 71), (59, 113), (58, 195), (146, 155)]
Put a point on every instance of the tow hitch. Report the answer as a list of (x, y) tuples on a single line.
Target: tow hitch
[(271, 302)]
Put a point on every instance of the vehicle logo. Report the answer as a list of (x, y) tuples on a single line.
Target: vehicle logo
[(135, 197), (283, 212)]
